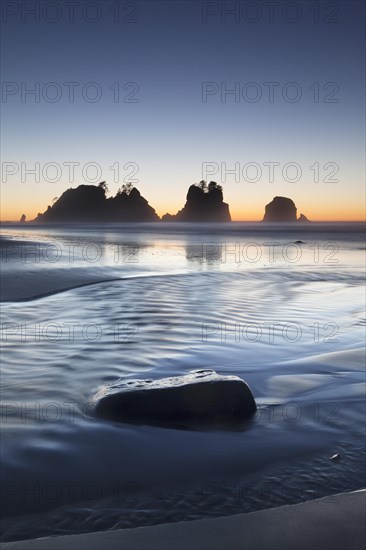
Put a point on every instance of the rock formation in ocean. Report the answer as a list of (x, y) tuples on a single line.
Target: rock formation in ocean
[(282, 209), (302, 218), (130, 206), (23, 218), (204, 204), (199, 399), (88, 203)]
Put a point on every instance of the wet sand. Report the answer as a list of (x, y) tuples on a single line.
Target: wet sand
[(27, 273), (336, 522), (331, 522)]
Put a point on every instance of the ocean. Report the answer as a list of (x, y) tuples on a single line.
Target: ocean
[(281, 306)]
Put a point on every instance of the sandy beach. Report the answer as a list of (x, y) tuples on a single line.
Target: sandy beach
[(30, 269), (336, 522), (26, 286), (65, 337)]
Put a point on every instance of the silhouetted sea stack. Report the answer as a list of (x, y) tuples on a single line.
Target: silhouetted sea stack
[(130, 207), (200, 399), (204, 204), (282, 209), (88, 203)]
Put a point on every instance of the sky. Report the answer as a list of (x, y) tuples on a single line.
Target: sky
[(264, 97)]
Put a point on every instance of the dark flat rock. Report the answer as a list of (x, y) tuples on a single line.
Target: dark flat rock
[(198, 400)]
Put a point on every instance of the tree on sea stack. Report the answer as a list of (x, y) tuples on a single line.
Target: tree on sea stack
[(213, 185), (203, 185), (125, 189), (103, 185)]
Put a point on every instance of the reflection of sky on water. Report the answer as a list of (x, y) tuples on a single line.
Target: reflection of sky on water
[(166, 248)]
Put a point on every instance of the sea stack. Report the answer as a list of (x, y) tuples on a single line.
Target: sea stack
[(89, 203), (204, 203), (281, 209)]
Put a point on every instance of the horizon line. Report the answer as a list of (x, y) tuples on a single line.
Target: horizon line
[(32, 222)]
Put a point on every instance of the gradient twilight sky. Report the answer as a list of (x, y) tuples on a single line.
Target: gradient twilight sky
[(169, 50)]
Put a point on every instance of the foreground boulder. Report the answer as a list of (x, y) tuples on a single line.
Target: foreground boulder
[(200, 399)]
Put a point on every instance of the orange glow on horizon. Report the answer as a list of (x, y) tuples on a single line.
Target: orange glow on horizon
[(333, 215), (237, 214)]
